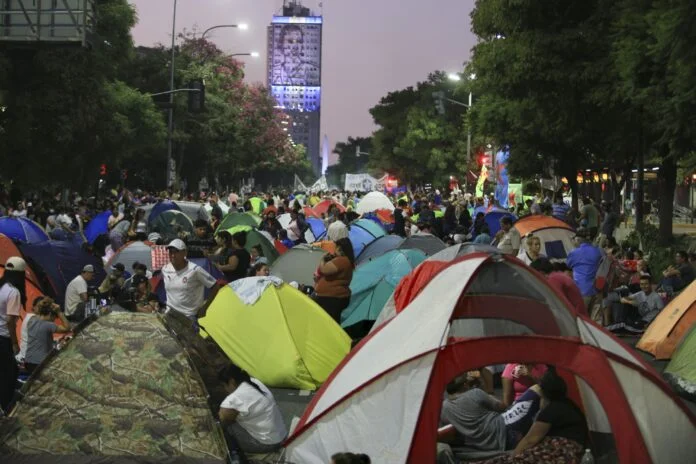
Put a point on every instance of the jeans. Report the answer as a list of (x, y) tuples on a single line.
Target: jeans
[(8, 373)]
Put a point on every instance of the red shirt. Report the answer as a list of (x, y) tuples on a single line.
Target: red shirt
[(568, 288)]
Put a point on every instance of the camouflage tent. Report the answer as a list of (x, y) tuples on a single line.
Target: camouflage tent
[(122, 391)]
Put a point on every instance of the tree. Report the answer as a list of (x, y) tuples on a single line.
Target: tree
[(348, 159)]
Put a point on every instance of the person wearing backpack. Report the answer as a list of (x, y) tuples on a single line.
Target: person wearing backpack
[(585, 261)]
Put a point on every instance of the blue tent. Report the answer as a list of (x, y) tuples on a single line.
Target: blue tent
[(99, 225), (493, 218), (428, 244), (379, 247), (160, 208), (60, 262), (205, 263), (372, 285), (22, 229), (317, 227), (363, 232)]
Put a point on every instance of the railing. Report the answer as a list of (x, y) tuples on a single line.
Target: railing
[(50, 21)]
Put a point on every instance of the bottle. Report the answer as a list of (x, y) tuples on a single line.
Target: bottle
[(587, 458)]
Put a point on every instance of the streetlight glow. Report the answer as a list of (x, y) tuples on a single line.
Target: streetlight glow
[(243, 26), (454, 77), (255, 54)]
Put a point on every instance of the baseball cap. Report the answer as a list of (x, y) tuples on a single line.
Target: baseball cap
[(88, 268), (177, 244), (15, 263)]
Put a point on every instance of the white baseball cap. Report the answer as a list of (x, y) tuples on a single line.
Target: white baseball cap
[(15, 263), (177, 244)]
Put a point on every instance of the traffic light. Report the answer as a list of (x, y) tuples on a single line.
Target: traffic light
[(439, 98), (102, 170), (196, 100)]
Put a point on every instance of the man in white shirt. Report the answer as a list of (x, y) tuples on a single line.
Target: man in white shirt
[(508, 238), (76, 295), (185, 283), (648, 303)]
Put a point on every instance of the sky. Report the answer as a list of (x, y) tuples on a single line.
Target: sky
[(371, 47)]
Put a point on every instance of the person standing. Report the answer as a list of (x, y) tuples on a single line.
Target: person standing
[(584, 262), (13, 297), (185, 283), (400, 219), (334, 274), (611, 220), (236, 260), (589, 217)]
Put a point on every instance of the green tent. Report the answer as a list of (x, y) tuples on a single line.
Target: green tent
[(681, 371), (373, 283), (171, 224), (123, 390), (239, 219), (254, 237), (257, 205)]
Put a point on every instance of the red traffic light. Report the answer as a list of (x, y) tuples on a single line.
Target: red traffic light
[(102, 170)]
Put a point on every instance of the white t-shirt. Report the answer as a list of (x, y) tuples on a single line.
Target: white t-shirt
[(72, 294), (10, 305), (186, 288), (258, 414), (25, 337), (510, 242)]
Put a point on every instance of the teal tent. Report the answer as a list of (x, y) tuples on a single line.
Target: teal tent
[(363, 232), (373, 283), (681, 371)]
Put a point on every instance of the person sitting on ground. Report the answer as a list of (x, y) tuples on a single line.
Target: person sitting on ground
[(508, 238), (76, 294), (261, 270), (562, 281), (283, 237), (114, 283), (350, 458), (646, 302), (484, 235), (256, 254), (517, 378), (40, 330), (533, 250), (332, 283), (678, 276), (250, 414), (559, 432), (144, 301)]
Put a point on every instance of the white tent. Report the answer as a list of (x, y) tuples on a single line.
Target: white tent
[(372, 202)]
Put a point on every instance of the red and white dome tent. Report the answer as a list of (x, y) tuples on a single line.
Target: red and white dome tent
[(385, 397)]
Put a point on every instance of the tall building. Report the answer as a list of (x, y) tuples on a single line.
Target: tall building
[(294, 74)]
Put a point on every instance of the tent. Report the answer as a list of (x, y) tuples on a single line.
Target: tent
[(490, 310), (681, 371), (255, 237), (666, 331), (323, 207), (161, 207), (59, 263), (284, 339), (298, 264), (239, 219), (9, 249), (22, 229), (309, 212), (363, 232), (132, 252), (493, 217), (372, 285), (556, 236), (98, 225), (462, 249), (372, 202), (122, 390), (284, 221), (379, 247), (428, 244), (172, 224), (223, 207), (190, 208), (257, 205), (317, 227)]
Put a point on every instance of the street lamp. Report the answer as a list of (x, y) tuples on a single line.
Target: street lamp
[(241, 26), (456, 78), (251, 54)]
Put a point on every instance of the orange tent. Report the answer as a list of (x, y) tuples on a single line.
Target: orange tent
[(7, 250), (323, 207), (326, 245), (556, 236), (671, 325)]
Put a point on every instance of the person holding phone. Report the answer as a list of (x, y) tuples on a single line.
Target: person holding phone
[(40, 330), (333, 277)]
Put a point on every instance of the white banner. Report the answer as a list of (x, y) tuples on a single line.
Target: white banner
[(299, 185), (364, 183), (320, 185)]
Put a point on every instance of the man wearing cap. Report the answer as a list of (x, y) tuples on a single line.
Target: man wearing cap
[(76, 296), (185, 282), (114, 282), (12, 298)]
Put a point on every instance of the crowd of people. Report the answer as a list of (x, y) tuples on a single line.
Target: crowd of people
[(628, 301)]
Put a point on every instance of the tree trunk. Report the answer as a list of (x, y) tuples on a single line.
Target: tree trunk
[(640, 190), (666, 187)]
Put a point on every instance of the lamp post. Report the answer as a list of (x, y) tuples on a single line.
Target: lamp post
[(457, 78), (251, 54), (242, 27)]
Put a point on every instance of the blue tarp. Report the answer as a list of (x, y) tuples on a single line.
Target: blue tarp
[(59, 263), (97, 226)]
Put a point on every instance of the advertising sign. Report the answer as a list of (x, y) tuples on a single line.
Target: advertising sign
[(502, 178), (364, 183), (295, 55)]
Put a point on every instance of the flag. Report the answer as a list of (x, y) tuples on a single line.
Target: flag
[(481, 181), (299, 185)]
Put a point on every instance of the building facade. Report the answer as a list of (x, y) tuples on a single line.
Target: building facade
[(294, 74)]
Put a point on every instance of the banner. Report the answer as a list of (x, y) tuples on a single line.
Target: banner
[(364, 183), (320, 185), (502, 178), (299, 186)]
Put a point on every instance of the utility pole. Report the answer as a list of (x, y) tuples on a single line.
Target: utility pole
[(170, 131)]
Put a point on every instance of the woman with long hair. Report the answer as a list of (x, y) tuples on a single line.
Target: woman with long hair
[(235, 259), (532, 251), (250, 414), (332, 282), (13, 297)]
